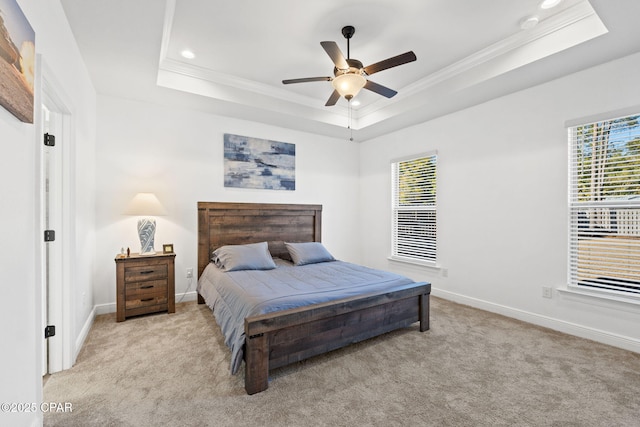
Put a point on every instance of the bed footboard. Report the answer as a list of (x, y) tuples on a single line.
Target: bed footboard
[(278, 339)]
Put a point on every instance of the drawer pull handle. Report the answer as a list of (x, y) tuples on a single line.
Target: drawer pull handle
[(146, 287), (147, 299), (146, 272)]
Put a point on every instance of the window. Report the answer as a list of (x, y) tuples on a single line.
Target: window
[(604, 205), (414, 209)]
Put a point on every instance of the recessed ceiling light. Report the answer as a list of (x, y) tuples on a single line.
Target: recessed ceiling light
[(187, 54), (528, 22), (355, 103), (548, 4)]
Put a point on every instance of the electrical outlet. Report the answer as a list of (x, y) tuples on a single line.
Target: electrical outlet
[(547, 292), (445, 272), (189, 273)]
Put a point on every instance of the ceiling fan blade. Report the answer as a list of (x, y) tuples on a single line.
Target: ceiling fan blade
[(333, 99), (335, 54), (390, 62), (379, 89), (306, 79)]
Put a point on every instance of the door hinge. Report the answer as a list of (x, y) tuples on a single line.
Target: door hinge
[(49, 140), (49, 235), (49, 331)]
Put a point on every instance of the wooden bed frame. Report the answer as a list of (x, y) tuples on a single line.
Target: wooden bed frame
[(288, 336)]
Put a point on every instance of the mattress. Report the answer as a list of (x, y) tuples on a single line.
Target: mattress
[(235, 295)]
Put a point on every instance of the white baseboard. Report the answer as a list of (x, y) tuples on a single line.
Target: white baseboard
[(544, 321), (186, 297), (84, 333), (105, 308)]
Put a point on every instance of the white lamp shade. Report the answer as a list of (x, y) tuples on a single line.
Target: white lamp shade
[(348, 85), (145, 204)]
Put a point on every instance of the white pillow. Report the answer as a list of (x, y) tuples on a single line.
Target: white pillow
[(254, 256), (308, 253)]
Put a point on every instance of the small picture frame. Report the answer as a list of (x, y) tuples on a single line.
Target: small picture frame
[(167, 248)]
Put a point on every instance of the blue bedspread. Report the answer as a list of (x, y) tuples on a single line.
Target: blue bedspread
[(238, 294)]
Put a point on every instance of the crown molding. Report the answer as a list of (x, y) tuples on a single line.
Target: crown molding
[(564, 20)]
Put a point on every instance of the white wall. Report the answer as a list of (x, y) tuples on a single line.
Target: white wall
[(178, 154), (17, 270), (502, 202), (20, 360)]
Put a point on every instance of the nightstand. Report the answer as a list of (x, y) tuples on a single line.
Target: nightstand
[(145, 284)]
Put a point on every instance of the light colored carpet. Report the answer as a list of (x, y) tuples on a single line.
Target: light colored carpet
[(472, 368)]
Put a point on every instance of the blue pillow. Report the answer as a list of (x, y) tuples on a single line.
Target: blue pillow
[(308, 253), (254, 256)]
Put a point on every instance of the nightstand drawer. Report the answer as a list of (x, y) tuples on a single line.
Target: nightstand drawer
[(145, 272), (145, 289), (146, 301)]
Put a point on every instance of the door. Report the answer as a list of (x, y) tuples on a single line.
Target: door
[(52, 233)]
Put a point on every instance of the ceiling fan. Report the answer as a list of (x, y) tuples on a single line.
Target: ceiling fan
[(350, 75)]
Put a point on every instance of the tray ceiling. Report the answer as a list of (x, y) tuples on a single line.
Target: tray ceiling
[(468, 52)]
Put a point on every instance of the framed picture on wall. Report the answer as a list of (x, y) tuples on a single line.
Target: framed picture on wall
[(259, 163), (17, 58)]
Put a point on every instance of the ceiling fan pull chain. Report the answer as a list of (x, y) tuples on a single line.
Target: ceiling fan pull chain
[(350, 118)]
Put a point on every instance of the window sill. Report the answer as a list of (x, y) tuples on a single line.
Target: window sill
[(601, 294), (429, 264)]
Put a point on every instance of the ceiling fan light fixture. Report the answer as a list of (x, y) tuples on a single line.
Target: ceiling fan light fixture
[(349, 74), (348, 85)]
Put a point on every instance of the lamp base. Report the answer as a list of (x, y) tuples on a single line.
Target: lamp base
[(147, 232)]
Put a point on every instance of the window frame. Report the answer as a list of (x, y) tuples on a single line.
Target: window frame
[(426, 209), (596, 233)]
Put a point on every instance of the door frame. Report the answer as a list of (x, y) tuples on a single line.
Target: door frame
[(60, 308)]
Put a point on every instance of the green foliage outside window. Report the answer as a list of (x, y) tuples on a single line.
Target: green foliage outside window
[(417, 182), (608, 160)]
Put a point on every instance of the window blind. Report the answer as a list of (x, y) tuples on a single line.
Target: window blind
[(604, 205), (414, 209)]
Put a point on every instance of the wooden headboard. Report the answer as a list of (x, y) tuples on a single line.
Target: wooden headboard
[(222, 223)]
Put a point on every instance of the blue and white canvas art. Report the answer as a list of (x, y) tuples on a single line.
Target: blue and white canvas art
[(259, 163)]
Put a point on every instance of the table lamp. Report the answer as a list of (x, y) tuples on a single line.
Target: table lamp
[(146, 205)]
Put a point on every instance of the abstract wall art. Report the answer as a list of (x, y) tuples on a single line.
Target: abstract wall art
[(259, 163)]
